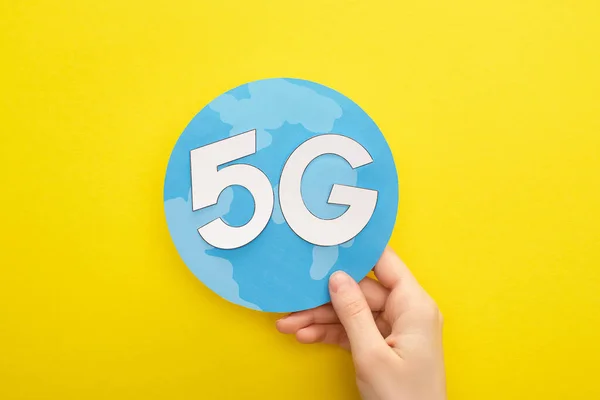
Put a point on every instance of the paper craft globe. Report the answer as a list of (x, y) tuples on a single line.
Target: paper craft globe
[(275, 185)]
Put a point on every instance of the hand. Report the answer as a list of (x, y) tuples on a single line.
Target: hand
[(392, 327)]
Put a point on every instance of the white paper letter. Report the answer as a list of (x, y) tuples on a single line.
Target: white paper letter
[(208, 183), (361, 202)]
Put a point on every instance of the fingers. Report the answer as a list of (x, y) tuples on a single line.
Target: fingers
[(410, 310), (392, 272), (296, 321), (383, 325), (354, 313), (375, 294), (328, 334)]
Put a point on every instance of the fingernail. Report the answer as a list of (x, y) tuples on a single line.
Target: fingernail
[(338, 280), (284, 317)]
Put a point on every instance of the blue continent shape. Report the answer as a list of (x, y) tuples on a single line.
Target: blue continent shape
[(278, 271)]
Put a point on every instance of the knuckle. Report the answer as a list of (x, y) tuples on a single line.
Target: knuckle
[(431, 312)]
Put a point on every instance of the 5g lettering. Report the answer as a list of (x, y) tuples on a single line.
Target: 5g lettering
[(208, 182)]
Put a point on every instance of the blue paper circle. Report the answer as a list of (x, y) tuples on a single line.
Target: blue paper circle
[(279, 271)]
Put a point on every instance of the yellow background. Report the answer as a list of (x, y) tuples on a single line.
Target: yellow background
[(492, 109)]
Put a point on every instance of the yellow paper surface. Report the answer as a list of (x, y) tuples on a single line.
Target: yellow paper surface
[(491, 108)]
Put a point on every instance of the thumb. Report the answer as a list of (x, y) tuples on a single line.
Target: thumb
[(354, 313)]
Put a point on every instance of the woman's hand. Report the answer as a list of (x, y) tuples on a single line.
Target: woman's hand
[(392, 327)]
